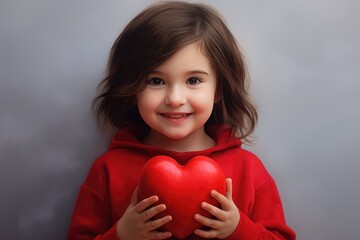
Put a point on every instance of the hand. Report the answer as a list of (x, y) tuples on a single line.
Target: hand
[(227, 218), (136, 223)]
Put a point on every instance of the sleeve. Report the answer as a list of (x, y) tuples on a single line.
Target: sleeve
[(266, 220), (92, 214)]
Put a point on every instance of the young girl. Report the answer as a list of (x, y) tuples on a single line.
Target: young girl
[(176, 86)]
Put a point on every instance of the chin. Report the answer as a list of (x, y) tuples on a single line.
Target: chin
[(175, 136)]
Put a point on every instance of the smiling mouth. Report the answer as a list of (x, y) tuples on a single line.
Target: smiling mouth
[(175, 116)]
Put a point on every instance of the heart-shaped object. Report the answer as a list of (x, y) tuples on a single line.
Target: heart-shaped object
[(182, 189)]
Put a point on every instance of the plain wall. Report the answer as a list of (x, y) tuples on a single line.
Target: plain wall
[(304, 61)]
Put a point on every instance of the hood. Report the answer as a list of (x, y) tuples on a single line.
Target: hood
[(130, 138)]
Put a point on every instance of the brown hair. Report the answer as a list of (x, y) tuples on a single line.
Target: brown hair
[(150, 39)]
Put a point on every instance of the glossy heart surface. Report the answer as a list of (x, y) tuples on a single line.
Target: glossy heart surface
[(182, 189)]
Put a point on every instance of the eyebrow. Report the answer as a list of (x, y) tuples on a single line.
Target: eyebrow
[(189, 72), (198, 72)]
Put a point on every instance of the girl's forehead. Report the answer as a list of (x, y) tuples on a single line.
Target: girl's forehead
[(189, 56)]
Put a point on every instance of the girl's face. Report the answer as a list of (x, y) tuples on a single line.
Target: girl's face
[(179, 96)]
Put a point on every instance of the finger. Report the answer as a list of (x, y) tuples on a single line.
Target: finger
[(212, 223), (228, 188), (147, 202), (152, 225), (224, 202), (206, 234), (215, 211), (159, 235), (149, 213), (134, 197)]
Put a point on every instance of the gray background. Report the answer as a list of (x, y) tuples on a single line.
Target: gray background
[(304, 60)]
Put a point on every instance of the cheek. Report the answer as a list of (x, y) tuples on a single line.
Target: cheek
[(204, 102), (147, 101), (141, 103)]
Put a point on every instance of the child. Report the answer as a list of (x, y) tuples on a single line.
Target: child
[(176, 86)]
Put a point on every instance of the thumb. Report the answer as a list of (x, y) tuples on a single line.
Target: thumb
[(229, 188), (135, 197)]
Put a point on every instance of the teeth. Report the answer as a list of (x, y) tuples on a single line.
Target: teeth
[(175, 115)]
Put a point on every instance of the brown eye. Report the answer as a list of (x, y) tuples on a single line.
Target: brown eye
[(156, 81), (193, 81)]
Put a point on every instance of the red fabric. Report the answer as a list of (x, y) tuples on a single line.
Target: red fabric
[(107, 190)]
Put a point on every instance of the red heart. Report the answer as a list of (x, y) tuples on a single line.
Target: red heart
[(181, 189)]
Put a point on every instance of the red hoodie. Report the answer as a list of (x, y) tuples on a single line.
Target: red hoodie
[(107, 190)]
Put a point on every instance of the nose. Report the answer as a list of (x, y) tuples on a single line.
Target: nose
[(175, 96)]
